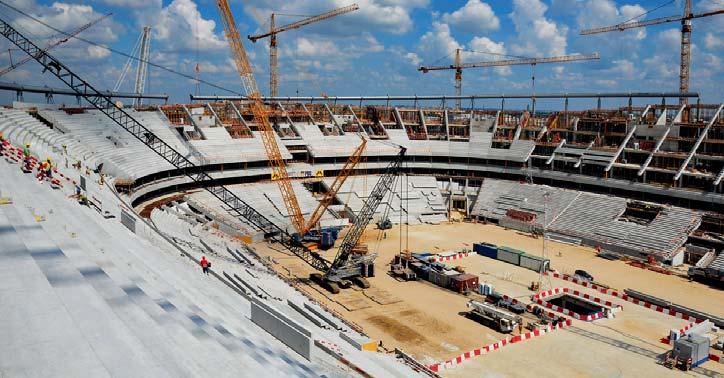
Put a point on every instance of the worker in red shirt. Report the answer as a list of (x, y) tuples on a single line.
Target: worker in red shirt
[(205, 264)]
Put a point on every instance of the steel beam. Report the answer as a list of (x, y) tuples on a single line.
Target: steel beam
[(701, 138), (623, 95), (67, 92)]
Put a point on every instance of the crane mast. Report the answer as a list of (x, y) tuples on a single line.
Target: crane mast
[(685, 65), (458, 79), (276, 162)]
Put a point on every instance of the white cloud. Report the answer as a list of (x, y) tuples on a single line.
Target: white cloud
[(621, 69), (485, 44), (306, 47), (68, 17), (537, 35), (438, 42), (598, 13), (669, 38), (712, 41), (392, 16), (132, 3), (711, 61), (475, 16), (180, 26), (98, 52), (413, 58), (606, 83)]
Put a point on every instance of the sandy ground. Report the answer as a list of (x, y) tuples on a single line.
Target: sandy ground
[(425, 320)]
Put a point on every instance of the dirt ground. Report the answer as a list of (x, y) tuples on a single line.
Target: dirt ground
[(426, 321)]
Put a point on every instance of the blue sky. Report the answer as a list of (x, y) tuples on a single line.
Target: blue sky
[(376, 50)]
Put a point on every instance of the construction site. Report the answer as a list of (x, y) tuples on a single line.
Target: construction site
[(375, 236)]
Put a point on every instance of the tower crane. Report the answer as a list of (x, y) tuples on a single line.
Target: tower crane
[(458, 66), (279, 171), (686, 29), (345, 266), (55, 44), (273, 31)]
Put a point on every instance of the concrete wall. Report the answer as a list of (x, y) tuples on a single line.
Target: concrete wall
[(282, 327)]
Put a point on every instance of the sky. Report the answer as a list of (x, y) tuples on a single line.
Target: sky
[(377, 49)]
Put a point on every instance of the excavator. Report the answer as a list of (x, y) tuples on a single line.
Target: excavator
[(347, 267)]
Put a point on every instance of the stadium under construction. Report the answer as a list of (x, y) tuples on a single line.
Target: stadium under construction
[(373, 236)]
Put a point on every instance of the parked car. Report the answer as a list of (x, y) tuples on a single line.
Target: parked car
[(582, 274)]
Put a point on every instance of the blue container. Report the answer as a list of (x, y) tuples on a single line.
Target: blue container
[(486, 249)]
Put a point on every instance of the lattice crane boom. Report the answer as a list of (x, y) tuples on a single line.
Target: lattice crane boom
[(306, 21), (653, 21), (276, 162), (55, 44), (142, 69), (512, 62), (272, 34), (328, 197)]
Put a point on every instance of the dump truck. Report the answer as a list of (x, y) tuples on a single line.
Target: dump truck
[(494, 317)]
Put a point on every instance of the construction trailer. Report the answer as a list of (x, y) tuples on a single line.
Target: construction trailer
[(498, 319)]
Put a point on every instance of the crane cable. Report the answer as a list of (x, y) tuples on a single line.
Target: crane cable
[(649, 11), (167, 69)]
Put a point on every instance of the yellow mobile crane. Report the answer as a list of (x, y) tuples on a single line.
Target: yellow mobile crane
[(276, 162)]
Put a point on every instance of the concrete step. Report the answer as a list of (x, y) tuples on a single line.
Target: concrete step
[(119, 268), (112, 342)]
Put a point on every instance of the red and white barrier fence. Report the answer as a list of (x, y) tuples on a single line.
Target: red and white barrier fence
[(682, 332), (460, 255), (539, 298), (497, 345), (626, 297)]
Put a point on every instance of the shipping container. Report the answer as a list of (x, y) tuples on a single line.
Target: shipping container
[(509, 255), (486, 249), (463, 282), (534, 263), (442, 278), (438, 278)]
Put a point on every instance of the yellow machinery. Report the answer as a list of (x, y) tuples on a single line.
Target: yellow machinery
[(271, 146)]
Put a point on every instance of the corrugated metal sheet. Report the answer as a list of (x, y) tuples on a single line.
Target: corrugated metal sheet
[(439, 278), (509, 255), (534, 263)]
